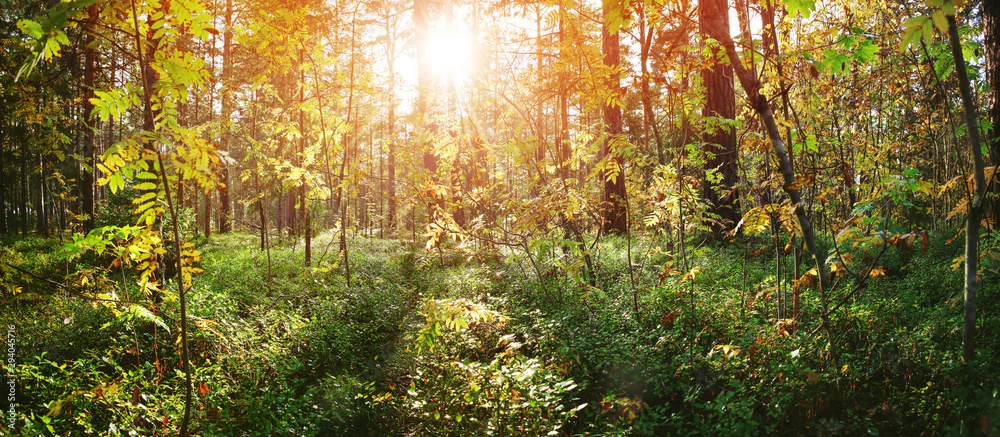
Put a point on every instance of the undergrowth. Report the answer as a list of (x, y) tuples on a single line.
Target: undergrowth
[(455, 343)]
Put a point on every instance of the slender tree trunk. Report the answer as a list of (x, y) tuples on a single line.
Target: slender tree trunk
[(23, 201), (4, 136), (421, 25), (42, 216), (89, 121), (303, 206), (976, 203), (539, 110), (390, 55), (991, 47), (649, 117), (225, 204)]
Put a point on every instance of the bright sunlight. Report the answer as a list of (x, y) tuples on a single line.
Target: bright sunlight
[(451, 55)]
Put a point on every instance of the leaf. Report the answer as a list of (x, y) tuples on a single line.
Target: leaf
[(30, 28), (794, 7), (877, 271), (690, 275), (957, 262), (812, 376), (940, 21), (202, 388), (911, 33), (142, 312)]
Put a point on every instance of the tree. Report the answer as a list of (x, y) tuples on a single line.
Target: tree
[(228, 83), (89, 119), (613, 212), (975, 213), (720, 135), (991, 49)]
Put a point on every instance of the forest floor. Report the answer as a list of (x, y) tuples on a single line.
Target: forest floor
[(468, 341)]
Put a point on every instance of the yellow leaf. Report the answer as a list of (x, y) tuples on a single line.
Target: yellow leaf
[(876, 272), (691, 274), (957, 262)]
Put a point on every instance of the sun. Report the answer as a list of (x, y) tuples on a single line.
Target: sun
[(450, 55)]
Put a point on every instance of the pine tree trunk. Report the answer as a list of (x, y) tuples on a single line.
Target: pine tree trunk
[(991, 49), (613, 213), (225, 205), (720, 101), (87, 175)]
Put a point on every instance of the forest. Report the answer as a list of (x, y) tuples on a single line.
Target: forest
[(499, 217)]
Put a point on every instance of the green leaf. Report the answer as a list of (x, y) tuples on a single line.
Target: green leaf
[(30, 28), (141, 312), (794, 7), (940, 21)]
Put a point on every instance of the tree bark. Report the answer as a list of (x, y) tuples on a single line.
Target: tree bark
[(720, 102), (976, 203), (613, 212), (991, 47), (87, 176), (225, 205)]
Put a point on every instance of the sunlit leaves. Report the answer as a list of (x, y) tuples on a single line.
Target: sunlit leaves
[(795, 7), (47, 33), (453, 315), (30, 28), (922, 26), (754, 221), (853, 47)]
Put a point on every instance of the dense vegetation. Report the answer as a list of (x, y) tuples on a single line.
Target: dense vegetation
[(552, 217), (303, 354)]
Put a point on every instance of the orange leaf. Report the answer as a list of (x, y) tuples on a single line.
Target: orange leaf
[(202, 388), (812, 377), (877, 271)]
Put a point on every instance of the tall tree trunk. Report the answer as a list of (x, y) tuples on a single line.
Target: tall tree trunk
[(720, 102), (976, 203), (303, 207), (4, 135), (391, 217), (42, 224), (539, 109), (24, 188), (89, 121), (564, 143), (613, 212), (421, 25), (208, 215), (225, 204), (991, 47), (649, 118)]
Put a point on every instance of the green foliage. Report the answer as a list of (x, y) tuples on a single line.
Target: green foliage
[(510, 396)]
